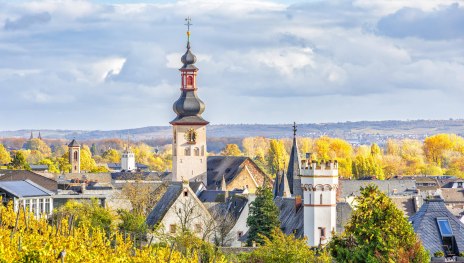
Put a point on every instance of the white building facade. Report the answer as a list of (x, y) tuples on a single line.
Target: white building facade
[(128, 161), (319, 182)]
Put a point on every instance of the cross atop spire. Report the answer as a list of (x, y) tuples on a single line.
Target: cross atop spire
[(188, 24), (294, 129)]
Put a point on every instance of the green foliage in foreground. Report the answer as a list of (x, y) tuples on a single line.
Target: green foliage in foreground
[(281, 248)]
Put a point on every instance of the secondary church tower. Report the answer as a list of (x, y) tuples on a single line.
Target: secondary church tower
[(189, 128)]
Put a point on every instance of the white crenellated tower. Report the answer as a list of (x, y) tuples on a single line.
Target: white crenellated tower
[(128, 160), (319, 182)]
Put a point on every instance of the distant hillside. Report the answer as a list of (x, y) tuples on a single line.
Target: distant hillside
[(355, 132)]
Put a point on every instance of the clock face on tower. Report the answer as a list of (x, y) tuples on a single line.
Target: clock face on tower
[(191, 136)]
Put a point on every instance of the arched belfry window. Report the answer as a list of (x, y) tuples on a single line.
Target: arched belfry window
[(321, 199), (191, 136), (75, 156), (187, 151), (196, 151), (189, 80)]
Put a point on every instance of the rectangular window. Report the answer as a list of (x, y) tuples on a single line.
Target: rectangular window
[(445, 227), (322, 232), (185, 193), (34, 206), (47, 206), (172, 229), (198, 228), (41, 206)]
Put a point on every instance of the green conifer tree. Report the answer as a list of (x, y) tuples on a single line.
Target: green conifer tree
[(263, 216)]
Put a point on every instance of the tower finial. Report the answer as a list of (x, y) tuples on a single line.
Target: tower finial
[(188, 20), (294, 129)]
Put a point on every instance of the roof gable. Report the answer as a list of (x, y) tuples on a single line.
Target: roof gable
[(219, 166)]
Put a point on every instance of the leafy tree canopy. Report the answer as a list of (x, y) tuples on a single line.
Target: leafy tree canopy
[(377, 232)]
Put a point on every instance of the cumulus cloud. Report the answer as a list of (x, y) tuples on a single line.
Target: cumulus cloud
[(443, 23), (109, 66), (26, 21)]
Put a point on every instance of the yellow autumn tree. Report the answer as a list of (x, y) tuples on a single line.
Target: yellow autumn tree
[(231, 150), (277, 157)]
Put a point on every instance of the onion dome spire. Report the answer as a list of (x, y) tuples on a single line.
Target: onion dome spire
[(189, 107)]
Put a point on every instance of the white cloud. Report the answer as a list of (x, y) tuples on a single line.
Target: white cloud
[(266, 60)]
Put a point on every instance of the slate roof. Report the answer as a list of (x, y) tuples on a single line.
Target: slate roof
[(294, 164), (452, 195), (291, 218), (196, 186), (74, 143), (405, 204), (98, 177), (284, 189), (425, 225), (275, 187), (21, 175), (209, 196), (344, 211), (352, 187), (146, 176), (164, 204), (25, 188), (39, 167), (219, 166), (233, 206)]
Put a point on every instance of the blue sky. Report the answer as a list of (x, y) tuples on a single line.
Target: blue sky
[(113, 64)]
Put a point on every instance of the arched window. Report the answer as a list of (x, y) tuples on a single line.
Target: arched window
[(196, 151), (189, 81), (75, 156), (191, 136), (187, 151), (321, 199), (202, 150)]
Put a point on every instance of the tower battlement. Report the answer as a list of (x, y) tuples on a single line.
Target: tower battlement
[(323, 168)]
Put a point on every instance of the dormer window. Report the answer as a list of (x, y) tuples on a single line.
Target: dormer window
[(445, 227), (447, 237)]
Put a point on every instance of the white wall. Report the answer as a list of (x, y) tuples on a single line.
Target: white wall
[(190, 166)]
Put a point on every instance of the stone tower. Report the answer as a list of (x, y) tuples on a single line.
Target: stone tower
[(75, 156), (189, 128), (319, 183)]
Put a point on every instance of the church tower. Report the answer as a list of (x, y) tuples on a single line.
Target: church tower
[(189, 128), (75, 156), (319, 183)]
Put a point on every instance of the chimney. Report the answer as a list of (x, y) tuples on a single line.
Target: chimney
[(298, 202)]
